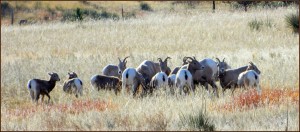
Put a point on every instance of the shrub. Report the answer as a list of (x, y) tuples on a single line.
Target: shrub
[(106, 15), (146, 7), (292, 21), (78, 15), (198, 121), (255, 24), (5, 8)]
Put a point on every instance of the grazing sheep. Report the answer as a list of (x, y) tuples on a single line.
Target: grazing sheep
[(113, 70), (184, 77), (131, 77), (106, 82), (176, 69), (249, 78), (206, 75), (159, 80), (222, 65), (149, 68), (39, 87), (73, 84), (229, 77)]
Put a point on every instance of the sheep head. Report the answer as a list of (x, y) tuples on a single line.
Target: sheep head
[(251, 66), (54, 76), (193, 65), (164, 65), (222, 65), (122, 65), (72, 75)]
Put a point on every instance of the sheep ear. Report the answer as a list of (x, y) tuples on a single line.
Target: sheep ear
[(50, 73), (223, 59)]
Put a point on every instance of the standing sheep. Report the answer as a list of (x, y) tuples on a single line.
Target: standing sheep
[(249, 78), (106, 82), (229, 77), (159, 80), (39, 87), (113, 70), (131, 77), (73, 84), (183, 78), (149, 68)]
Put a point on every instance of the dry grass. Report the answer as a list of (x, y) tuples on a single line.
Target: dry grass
[(32, 51)]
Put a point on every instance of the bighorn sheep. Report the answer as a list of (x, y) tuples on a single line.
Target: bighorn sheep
[(113, 70), (106, 82), (39, 87), (184, 77), (149, 68), (159, 80), (73, 84), (206, 74), (229, 77), (131, 77), (249, 78)]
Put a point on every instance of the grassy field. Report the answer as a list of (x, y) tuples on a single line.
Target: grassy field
[(31, 51)]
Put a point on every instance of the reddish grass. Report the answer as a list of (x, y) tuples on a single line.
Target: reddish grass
[(251, 98), (75, 107)]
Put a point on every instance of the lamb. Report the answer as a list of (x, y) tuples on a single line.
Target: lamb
[(106, 82), (39, 87), (149, 68), (229, 77), (73, 84), (113, 70), (159, 80), (184, 77), (131, 77), (249, 78)]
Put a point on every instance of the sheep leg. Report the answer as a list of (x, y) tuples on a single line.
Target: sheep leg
[(37, 96), (48, 97), (134, 88), (213, 84), (32, 95), (223, 90), (123, 88), (42, 98), (192, 86)]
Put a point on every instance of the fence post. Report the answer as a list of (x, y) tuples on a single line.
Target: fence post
[(12, 16), (214, 6)]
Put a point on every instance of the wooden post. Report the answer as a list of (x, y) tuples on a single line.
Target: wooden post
[(122, 13), (12, 16), (214, 6)]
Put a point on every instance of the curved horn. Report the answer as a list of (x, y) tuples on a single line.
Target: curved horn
[(251, 62), (189, 58), (218, 59), (125, 58), (184, 59), (159, 59), (223, 59), (167, 59)]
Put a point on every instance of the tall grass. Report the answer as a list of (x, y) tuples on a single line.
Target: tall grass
[(31, 51)]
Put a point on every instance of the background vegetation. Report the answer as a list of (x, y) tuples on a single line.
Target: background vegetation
[(171, 29)]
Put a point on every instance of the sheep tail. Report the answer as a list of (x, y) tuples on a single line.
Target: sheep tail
[(127, 75), (29, 85), (185, 75)]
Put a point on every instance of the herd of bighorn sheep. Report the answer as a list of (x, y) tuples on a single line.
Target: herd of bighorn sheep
[(152, 76)]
